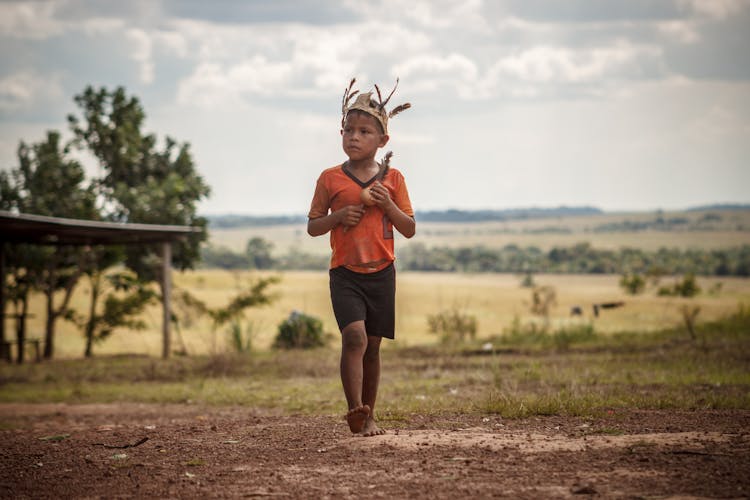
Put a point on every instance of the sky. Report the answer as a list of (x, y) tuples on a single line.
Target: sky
[(621, 105)]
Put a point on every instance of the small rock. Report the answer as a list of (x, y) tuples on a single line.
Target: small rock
[(583, 489)]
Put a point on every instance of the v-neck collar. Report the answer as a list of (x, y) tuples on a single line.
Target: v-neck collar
[(354, 177)]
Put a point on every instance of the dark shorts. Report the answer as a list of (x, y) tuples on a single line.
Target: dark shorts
[(365, 297)]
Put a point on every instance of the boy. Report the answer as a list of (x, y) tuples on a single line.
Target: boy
[(362, 276)]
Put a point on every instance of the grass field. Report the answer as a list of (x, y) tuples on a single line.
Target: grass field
[(495, 299), (664, 369), (732, 229)]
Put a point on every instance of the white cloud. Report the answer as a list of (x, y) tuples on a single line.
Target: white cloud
[(21, 90), (430, 72), (716, 9), (173, 42), (142, 53), (32, 20), (212, 85), (551, 64), (681, 31), (235, 63), (437, 14)]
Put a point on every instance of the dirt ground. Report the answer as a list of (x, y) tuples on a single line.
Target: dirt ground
[(185, 451)]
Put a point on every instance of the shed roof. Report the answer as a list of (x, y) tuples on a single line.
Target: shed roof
[(39, 229)]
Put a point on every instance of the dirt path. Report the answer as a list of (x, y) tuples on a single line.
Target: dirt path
[(54, 451)]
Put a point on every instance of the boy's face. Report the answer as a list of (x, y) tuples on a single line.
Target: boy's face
[(361, 136)]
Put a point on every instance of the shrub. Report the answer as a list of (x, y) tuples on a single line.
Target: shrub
[(528, 281), (543, 298), (239, 341), (633, 284), (532, 334), (300, 331), (453, 325), (688, 287)]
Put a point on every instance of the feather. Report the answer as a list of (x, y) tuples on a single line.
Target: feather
[(385, 165), (348, 95), (399, 109), (380, 97), (389, 95)]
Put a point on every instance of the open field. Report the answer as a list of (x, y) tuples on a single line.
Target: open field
[(619, 416), (495, 299), (640, 414), (733, 229)]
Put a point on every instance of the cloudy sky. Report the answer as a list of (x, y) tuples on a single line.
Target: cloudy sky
[(623, 105)]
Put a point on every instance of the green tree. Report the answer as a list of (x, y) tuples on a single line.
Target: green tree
[(48, 182), (632, 283), (258, 253), (121, 307), (141, 183), (233, 313)]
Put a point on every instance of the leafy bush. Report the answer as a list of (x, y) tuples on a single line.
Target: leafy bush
[(533, 334), (239, 341), (300, 331), (453, 325), (543, 298), (633, 284), (688, 287)]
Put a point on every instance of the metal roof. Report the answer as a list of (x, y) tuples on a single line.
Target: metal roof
[(39, 229)]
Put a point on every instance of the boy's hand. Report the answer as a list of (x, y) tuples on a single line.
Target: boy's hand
[(380, 194), (350, 215)]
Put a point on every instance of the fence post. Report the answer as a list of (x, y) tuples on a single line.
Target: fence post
[(166, 285)]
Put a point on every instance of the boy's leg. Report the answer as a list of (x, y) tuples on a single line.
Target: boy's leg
[(353, 348), (370, 382)]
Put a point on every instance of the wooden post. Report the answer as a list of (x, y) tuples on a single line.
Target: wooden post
[(2, 304), (166, 285)]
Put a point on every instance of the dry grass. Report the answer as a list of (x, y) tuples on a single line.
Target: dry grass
[(520, 378), (569, 231), (495, 300)]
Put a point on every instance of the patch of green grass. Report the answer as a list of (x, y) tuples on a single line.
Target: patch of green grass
[(591, 374)]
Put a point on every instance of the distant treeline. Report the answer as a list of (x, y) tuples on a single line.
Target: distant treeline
[(503, 215), (709, 221), (452, 215), (232, 221), (720, 206), (578, 259)]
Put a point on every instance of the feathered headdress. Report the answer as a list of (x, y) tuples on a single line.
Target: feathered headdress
[(365, 102)]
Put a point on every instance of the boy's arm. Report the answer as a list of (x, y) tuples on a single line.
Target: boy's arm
[(347, 216), (404, 223)]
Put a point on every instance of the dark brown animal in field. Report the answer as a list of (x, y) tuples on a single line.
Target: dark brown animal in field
[(607, 305)]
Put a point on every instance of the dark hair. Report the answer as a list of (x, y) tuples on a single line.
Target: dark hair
[(365, 113)]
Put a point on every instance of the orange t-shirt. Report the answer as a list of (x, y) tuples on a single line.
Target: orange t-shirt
[(368, 246)]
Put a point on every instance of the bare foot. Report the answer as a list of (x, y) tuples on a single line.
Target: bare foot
[(371, 428), (357, 417)]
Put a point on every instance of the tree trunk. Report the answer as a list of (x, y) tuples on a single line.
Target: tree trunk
[(49, 330), (166, 292), (91, 323), (21, 327), (52, 313), (2, 299)]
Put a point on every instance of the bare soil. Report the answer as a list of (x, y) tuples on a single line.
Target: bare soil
[(185, 451)]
